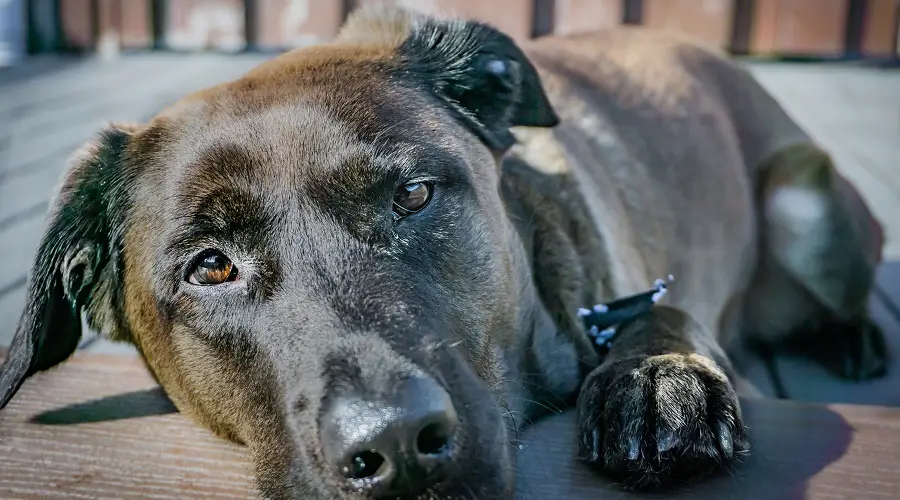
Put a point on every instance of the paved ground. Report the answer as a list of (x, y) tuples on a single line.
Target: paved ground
[(50, 107)]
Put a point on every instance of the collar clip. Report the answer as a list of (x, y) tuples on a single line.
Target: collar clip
[(600, 321)]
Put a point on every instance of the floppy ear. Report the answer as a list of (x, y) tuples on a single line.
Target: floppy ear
[(480, 74), (78, 244)]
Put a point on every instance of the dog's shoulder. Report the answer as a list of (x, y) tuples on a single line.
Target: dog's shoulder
[(658, 67)]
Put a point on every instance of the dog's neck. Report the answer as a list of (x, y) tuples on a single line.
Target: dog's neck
[(565, 268)]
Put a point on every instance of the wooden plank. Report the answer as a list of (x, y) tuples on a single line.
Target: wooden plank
[(129, 91), (97, 427), (286, 23), (35, 68), (205, 25), (579, 16), (513, 17), (799, 451), (12, 304), (43, 140), (64, 128), (798, 27), (135, 24), (879, 28), (105, 448), (78, 20), (22, 214), (78, 80), (708, 21), (18, 246)]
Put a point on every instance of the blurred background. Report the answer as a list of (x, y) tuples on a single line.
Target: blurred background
[(68, 66), (832, 29)]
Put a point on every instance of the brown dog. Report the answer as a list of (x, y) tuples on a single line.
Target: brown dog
[(364, 260)]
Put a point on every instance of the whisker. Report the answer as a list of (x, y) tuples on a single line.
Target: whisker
[(521, 384), (511, 413), (547, 406)]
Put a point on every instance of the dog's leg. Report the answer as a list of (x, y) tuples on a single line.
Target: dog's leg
[(821, 247), (661, 408)]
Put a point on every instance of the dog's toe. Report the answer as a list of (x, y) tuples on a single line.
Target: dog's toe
[(660, 420)]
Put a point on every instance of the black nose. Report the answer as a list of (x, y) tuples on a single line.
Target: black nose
[(397, 445)]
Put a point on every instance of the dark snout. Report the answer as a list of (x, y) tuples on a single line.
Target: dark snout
[(396, 445)]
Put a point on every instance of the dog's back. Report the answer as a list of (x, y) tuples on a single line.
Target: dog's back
[(652, 147), (672, 147)]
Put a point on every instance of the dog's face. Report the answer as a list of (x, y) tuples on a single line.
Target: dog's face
[(314, 260)]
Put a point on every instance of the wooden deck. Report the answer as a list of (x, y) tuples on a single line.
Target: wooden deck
[(50, 107), (99, 427)]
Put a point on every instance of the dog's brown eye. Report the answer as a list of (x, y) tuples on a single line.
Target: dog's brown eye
[(212, 269), (412, 198)]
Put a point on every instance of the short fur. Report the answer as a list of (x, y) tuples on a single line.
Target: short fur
[(565, 177)]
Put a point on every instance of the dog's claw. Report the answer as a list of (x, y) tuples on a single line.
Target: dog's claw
[(666, 441), (726, 442)]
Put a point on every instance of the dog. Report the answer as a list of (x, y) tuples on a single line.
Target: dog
[(365, 260)]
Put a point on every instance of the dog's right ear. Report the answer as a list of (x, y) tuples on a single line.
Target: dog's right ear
[(475, 70), (480, 74), (78, 250)]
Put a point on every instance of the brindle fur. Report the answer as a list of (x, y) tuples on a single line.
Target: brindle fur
[(619, 158)]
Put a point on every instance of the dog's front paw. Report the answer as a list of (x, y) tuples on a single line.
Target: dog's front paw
[(660, 420)]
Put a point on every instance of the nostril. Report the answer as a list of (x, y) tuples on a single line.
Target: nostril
[(364, 465), (434, 439), (395, 445)]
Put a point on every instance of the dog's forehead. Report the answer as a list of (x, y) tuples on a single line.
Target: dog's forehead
[(305, 110), (279, 142), (309, 132), (342, 83)]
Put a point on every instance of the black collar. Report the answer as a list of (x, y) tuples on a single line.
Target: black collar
[(601, 320)]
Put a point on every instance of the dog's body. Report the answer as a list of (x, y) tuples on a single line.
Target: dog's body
[(670, 159), (636, 156)]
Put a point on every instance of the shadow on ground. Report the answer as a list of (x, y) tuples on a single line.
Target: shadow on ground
[(805, 440)]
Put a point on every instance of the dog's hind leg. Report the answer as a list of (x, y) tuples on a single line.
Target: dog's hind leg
[(820, 248)]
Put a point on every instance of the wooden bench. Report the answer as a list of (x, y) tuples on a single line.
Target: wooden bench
[(98, 426)]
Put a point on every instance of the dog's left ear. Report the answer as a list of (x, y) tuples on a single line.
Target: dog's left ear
[(480, 74), (75, 261)]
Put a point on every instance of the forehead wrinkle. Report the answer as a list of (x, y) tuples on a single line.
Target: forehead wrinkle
[(225, 194), (275, 147)]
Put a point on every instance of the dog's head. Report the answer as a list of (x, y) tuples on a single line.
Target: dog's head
[(314, 260)]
